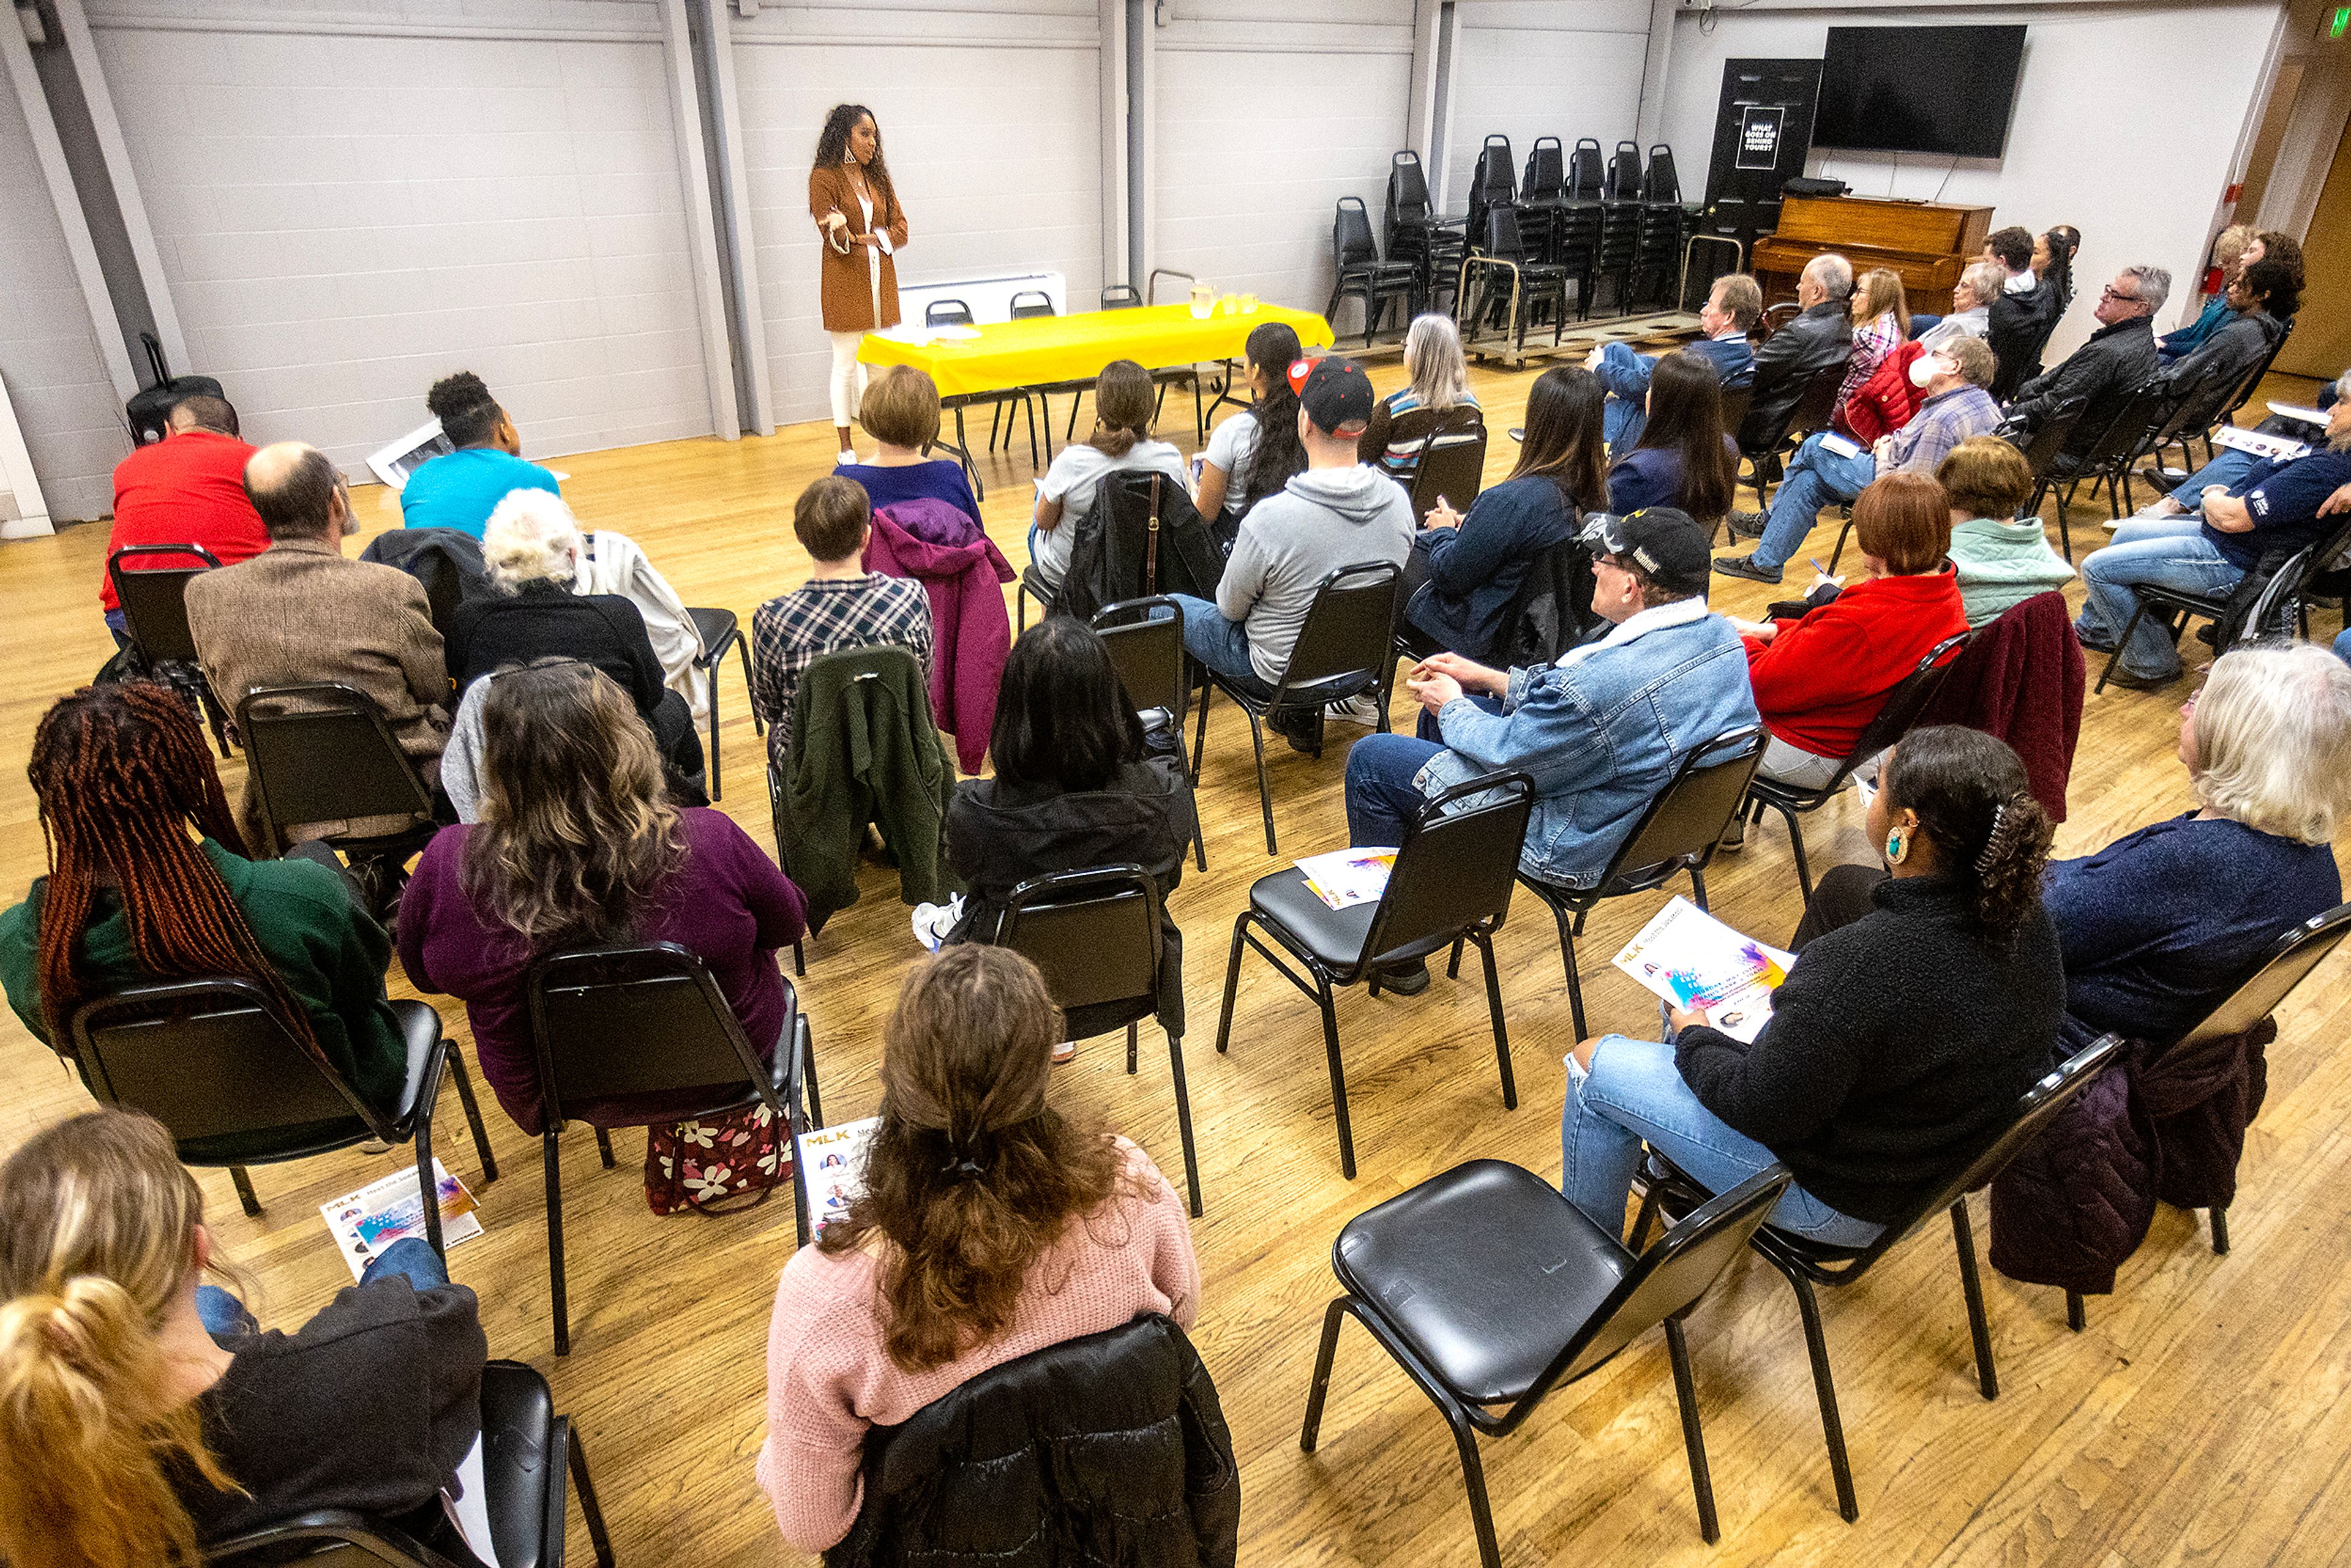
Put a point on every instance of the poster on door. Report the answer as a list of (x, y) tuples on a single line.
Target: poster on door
[(1758, 136)]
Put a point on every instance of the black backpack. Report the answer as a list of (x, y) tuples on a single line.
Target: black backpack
[(1143, 537), (149, 411)]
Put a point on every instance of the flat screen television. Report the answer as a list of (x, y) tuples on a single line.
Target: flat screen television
[(1918, 90)]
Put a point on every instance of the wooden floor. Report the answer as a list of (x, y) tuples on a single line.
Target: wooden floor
[(2201, 1419)]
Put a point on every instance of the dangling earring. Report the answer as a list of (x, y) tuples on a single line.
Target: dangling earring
[(1896, 846)]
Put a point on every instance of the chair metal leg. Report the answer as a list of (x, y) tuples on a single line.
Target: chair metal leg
[(1501, 1033), (1184, 1119), (1338, 1077), (1199, 834), (1200, 738), (1693, 1435), (1796, 845), (1978, 1326), (1232, 984), (555, 1241), (1264, 793), (1130, 1049), (808, 1073), (1311, 1432), (1644, 1218), (586, 1491), (1698, 887), (1453, 960), (473, 1116), (799, 961), (1816, 1345), (743, 647), (604, 1146), (2221, 1232), (428, 1190), (2138, 613), (2076, 1317), (243, 1184), (1473, 1476), (710, 689), (1567, 962)]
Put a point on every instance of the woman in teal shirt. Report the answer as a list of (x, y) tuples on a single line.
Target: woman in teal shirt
[(134, 895), (460, 489)]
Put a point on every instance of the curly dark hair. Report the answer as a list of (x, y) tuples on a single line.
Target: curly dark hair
[(832, 148), (1975, 808)]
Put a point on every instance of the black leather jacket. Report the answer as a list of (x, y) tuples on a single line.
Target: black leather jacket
[(1821, 337)]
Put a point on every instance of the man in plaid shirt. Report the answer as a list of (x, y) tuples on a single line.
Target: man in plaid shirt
[(842, 605)]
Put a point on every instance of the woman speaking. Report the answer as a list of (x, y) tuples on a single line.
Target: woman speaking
[(859, 224)]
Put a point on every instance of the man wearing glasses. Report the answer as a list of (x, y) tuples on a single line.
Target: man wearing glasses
[(2106, 370)]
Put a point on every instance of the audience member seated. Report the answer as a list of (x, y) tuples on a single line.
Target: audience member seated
[(149, 880), (901, 412), (185, 489), (1232, 479), (1908, 1028), (2210, 552), (2002, 558), (576, 845), (1601, 731), (2237, 245), (1683, 457), (2163, 922), (1121, 444), (1732, 308), (1820, 336), (2262, 299), (1831, 468), (842, 605), (1465, 572), (1970, 314), (460, 489), (1337, 513), (533, 549), (2054, 251), (2024, 314), (2114, 361), (148, 1416), (989, 1226), (1881, 323), (1403, 422), (300, 612), (2234, 472), (1820, 680), (1077, 786)]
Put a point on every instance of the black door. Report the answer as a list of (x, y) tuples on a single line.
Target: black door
[(1761, 134)]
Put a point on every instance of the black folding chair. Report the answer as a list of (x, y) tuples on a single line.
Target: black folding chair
[(1903, 705), (1805, 1263), (527, 1450), (1346, 649), (1453, 469), (1762, 441), (719, 630), (2277, 603), (155, 603), (1359, 272), (2103, 462), (1096, 937), (1451, 879), (956, 313), (616, 1023), (323, 753), (2042, 451), (1145, 639), (1490, 1288), (216, 1060)]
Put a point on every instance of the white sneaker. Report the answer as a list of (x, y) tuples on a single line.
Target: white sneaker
[(845, 458), (932, 922), (1363, 710)]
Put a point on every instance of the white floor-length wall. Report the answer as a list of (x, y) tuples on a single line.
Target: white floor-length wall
[(1569, 68)]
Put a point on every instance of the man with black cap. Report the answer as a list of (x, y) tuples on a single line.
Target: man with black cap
[(1601, 731), (1337, 513)]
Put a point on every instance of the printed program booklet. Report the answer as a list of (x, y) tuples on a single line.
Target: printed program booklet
[(832, 1162), (1346, 877), (365, 1222), (1693, 960)]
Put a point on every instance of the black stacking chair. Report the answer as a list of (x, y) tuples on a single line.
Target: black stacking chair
[(1902, 707), (1677, 832), (1145, 639), (1455, 470), (2278, 603), (615, 1023), (719, 632), (1534, 285), (1096, 937), (217, 1062), (1805, 1263), (1762, 441), (1346, 649), (956, 313), (1490, 1288), (1451, 879), (2042, 451), (323, 753), (1625, 173), (527, 1448), (1414, 233), (1587, 179), (154, 602), (1491, 182), (2102, 464), (1661, 182), (1359, 272)]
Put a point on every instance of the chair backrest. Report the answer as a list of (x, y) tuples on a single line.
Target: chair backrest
[(1585, 179), (1409, 200), (1552, 610), (1031, 302), (1503, 240), (2132, 420), (1903, 705), (1145, 639), (1682, 825), (1455, 470), (946, 313), (154, 599), (1347, 645), (213, 1059), (1661, 183), (1121, 297), (1096, 937), (1734, 409), (646, 1019), (1625, 173), (323, 753), (1546, 177), (1494, 166), (2195, 408), (1456, 867), (1352, 244), (1818, 401), (2289, 961), (2049, 438)]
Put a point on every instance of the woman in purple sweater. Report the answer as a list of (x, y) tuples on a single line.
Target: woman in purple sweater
[(576, 846)]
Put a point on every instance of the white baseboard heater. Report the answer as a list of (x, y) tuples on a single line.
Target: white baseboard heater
[(990, 296)]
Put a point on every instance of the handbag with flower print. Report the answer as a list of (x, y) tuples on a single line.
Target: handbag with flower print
[(701, 1165)]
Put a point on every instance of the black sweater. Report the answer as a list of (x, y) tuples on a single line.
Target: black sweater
[(1895, 1045), (545, 619)]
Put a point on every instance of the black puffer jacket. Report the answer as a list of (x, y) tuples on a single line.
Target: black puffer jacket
[(1108, 1450)]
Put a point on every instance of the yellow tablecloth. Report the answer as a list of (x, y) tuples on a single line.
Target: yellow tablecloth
[(1046, 348)]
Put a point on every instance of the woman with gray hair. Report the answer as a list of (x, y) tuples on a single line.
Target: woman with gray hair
[(533, 548), (2162, 923), (1402, 422)]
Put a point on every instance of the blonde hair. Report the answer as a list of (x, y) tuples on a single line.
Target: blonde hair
[(1433, 358), (2229, 248), (2273, 739), (1985, 477), (1879, 292), (531, 536), (98, 1221), (901, 408)]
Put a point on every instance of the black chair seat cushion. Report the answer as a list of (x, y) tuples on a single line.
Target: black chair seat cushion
[(1335, 937), (1679, 1193), (1486, 1272), (517, 1425)]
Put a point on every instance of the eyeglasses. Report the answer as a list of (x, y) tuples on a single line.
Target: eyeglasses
[(2111, 292)]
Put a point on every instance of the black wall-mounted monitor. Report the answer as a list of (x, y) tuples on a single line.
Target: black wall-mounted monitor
[(1918, 90)]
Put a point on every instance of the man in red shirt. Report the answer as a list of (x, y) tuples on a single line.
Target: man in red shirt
[(187, 488)]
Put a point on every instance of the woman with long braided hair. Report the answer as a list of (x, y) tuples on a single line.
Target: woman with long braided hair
[(149, 880)]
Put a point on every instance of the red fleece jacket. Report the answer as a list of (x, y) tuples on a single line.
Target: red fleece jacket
[(1820, 679)]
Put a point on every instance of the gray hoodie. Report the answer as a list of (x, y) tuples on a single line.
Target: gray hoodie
[(1323, 519)]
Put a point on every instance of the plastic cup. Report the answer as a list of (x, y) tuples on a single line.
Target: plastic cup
[(1248, 304)]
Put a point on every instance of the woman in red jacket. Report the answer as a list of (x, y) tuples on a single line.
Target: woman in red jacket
[(1820, 680)]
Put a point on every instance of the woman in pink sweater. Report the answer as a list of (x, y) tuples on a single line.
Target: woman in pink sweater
[(976, 1194)]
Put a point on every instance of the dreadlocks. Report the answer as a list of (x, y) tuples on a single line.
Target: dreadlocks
[(122, 772)]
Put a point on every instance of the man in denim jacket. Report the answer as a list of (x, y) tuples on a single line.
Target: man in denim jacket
[(1601, 731)]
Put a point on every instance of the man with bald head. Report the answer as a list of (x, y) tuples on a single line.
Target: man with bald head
[(185, 489), (300, 612), (1817, 340)]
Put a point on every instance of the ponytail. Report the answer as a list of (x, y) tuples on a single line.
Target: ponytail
[(1122, 399), (1990, 836)]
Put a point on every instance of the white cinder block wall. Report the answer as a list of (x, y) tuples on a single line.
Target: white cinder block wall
[(347, 209), (1569, 68)]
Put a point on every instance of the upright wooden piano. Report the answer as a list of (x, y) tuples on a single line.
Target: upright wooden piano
[(1928, 243)]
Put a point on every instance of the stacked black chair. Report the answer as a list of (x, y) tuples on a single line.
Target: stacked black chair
[(1660, 182), (1587, 177), (1532, 286), (1543, 195), (1490, 1288), (1620, 249), (1145, 640), (1360, 273), (719, 632), (1624, 173), (1451, 880), (154, 602), (323, 753), (1492, 183), (1414, 233)]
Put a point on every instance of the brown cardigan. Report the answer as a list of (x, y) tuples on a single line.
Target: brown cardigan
[(847, 292)]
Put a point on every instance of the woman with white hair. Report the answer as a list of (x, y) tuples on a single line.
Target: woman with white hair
[(1403, 422), (2162, 923), (533, 548)]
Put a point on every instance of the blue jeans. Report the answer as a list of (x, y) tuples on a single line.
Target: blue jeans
[(1381, 796), (223, 1315), (1634, 1094), (2342, 645), (1223, 645), (1625, 414), (1815, 477), (2159, 552), (119, 624), (2228, 468)]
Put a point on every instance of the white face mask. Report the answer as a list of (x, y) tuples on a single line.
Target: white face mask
[(1926, 368)]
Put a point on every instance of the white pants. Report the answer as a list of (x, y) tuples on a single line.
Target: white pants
[(1805, 769), (848, 377)]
